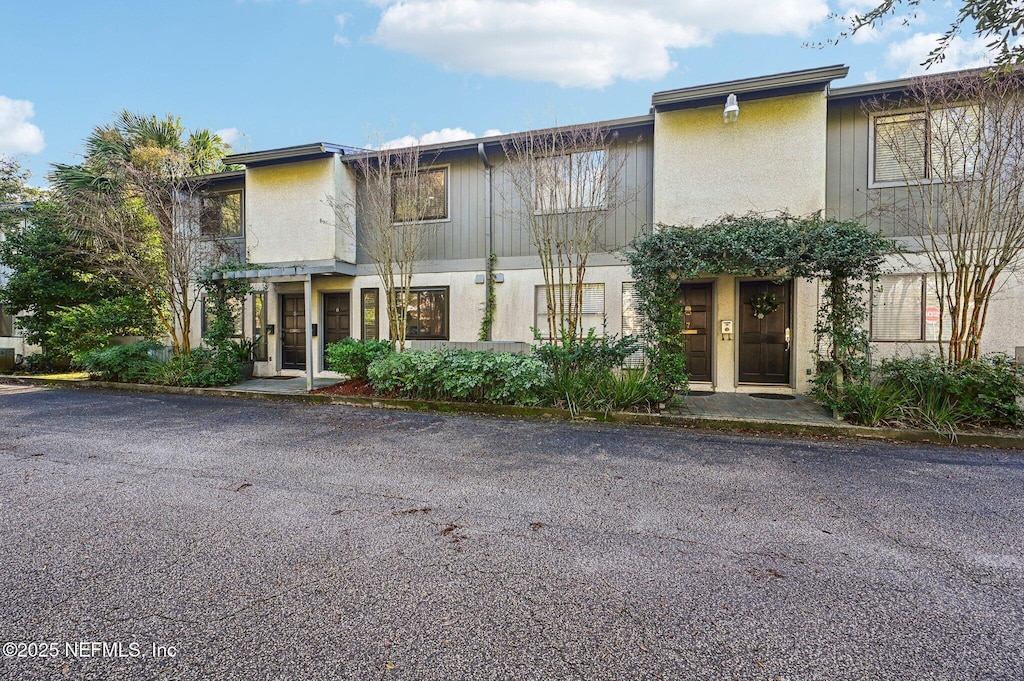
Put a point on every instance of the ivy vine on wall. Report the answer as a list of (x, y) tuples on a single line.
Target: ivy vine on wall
[(846, 255)]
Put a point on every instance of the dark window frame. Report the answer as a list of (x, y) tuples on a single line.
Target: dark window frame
[(363, 293), (260, 344), (446, 293), (205, 231), (445, 216)]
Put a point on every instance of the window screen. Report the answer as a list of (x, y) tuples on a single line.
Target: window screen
[(591, 316), (900, 142)]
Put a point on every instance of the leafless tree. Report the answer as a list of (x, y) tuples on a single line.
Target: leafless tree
[(153, 231), (394, 214), (564, 185), (955, 145)]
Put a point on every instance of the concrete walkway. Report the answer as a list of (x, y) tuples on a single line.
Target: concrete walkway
[(283, 385), (795, 409)]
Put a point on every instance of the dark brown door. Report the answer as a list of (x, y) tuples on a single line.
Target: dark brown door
[(696, 299), (293, 331), (765, 339), (337, 318)]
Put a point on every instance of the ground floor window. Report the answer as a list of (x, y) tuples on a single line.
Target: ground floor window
[(259, 326), (207, 317), (591, 315), (631, 323), (6, 323), (370, 321), (905, 307), (426, 311)]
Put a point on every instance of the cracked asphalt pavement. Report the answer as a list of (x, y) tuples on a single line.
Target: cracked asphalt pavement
[(232, 539)]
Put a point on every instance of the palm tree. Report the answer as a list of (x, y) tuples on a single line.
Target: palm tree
[(132, 197)]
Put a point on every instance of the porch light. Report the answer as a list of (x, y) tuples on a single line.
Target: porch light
[(732, 109)]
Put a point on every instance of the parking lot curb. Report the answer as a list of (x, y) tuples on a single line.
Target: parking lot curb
[(839, 429)]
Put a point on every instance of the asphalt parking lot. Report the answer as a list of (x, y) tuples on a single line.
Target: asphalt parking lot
[(178, 537)]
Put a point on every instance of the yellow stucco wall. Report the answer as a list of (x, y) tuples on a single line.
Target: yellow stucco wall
[(772, 158), (288, 214)]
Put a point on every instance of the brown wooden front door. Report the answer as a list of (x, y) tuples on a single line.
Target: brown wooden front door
[(337, 318), (293, 331), (765, 343), (696, 300)]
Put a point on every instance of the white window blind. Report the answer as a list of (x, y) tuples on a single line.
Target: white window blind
[(591, 316), (905, 306), (631, 323), (900, 144)]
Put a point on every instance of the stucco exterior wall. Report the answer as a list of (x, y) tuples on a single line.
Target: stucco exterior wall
[(288, 217), (772, 158)]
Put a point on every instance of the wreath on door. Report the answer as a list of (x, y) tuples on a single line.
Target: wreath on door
[(764, 304)]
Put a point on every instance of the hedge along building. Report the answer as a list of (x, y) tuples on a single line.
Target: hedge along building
[(689, 161)]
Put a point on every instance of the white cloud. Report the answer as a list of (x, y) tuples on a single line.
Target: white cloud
[(231, 136), (339, 38), (17, 135), (961, 53), (587, 43), (436, 137)]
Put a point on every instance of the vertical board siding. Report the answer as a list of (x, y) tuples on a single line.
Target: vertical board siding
[(848, 195), (463, 235)]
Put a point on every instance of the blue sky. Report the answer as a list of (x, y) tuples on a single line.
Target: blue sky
[(272, 73)]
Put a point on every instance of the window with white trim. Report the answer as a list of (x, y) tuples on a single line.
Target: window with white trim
[(919, 146), (631, 323), (570, 182), (905, 307), (591, 315)]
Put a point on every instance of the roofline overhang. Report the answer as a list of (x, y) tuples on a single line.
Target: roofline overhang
[(901, 85), (497, 141), (761, 87), (303, 152)]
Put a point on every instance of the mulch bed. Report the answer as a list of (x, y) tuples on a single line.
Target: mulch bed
[(359, 387)]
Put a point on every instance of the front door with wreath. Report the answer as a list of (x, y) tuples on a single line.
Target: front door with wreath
[(765, 334)]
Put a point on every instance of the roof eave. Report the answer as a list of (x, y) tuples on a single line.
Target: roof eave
[(774, 85)]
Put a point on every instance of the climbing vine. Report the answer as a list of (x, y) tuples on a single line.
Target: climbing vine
[(846, 255), (492, 300)]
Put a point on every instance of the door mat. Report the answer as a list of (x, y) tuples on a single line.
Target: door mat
[(772, 396)]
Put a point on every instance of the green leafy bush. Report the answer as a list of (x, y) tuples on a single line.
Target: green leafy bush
[(201, 368), (133, 363), (925, 391), (586, 375), (459, 375), (352, 357)]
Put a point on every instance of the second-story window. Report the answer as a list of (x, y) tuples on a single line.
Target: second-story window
[(420, 196), (221, 215), (921, 145), (568, 182)]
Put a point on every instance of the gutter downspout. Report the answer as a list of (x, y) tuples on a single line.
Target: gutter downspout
[(488, 233)]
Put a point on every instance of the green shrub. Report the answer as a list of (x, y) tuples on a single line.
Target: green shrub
[(133, 363), (925, 391), (202, 368), (352, 357), (586, 375), (459, 375)]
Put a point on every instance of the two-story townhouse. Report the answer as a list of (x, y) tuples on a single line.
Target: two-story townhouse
[(784, 142), (867, 182)]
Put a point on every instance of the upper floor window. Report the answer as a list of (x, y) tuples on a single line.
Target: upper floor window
[(420, 196), (220, 215), (925, 145), (568, 182)]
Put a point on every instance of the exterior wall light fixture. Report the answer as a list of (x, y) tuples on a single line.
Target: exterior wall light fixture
[(732, 110)]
